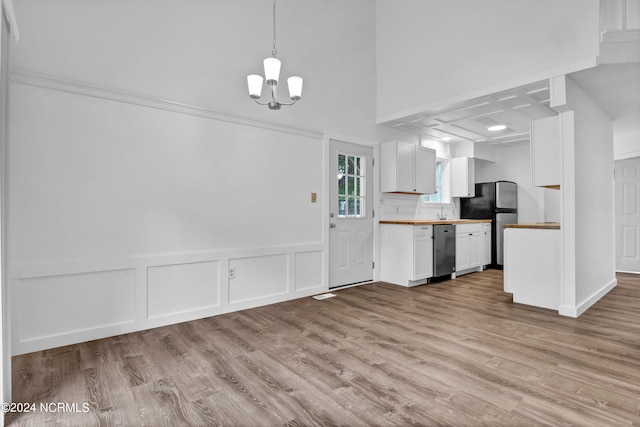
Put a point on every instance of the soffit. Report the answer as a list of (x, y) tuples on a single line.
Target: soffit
[(616, 89)]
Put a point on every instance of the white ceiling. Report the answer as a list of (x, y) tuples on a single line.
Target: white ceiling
[(615, 87)]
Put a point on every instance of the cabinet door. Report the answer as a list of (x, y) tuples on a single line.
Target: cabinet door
[(463, 177), (475, 249), (462, 251), (425, 170), (487, 245), (546, 144), (422, 257), (405, 168)]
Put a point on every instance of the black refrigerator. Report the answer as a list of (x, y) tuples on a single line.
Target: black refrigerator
[(497, 201)]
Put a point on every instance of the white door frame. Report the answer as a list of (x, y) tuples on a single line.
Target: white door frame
[(6, 11), (326, 143)]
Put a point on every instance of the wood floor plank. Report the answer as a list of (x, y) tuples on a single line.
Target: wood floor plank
[(452, 353)]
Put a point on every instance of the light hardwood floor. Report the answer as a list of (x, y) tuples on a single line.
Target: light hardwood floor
[(456, 353)]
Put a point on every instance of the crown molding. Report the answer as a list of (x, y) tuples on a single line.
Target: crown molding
[(116, 95)]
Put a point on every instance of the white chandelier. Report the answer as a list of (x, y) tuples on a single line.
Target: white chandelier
[(271, 74)]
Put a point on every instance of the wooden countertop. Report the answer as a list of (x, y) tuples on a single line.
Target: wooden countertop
[(434, 221), (537, 225)]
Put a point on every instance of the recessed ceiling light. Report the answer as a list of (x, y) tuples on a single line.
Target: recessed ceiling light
[(445, 138), (496, 128)]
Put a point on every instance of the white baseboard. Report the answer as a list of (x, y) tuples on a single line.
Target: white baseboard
[(586, 304)]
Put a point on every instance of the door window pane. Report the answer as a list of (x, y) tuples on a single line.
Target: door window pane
[(341, 164), (342, 190), (342, 206), (351, 186)]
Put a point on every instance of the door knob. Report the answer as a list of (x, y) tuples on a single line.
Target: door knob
[(332, 225)]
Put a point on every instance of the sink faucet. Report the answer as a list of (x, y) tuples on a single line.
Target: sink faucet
[(442, 215)]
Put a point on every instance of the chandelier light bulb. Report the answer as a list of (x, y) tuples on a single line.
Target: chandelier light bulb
[(272, 70), (295, 87), (254, 82)]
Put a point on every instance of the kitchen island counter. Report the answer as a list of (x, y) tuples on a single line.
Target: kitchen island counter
[(532, 259)]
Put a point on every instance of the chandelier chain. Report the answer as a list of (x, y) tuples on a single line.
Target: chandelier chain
[(274, 51)]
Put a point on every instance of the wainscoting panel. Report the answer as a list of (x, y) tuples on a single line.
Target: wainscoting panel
[(55, 305), (66, 303), (180, 288), (258, 277), (308, 270)]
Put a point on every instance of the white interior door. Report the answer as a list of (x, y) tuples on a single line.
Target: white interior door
[(351, 214), (628, 215)]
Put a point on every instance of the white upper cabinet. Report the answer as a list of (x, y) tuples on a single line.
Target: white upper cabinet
[(407, 168), (546, 146), (425, 173), (463, 183)]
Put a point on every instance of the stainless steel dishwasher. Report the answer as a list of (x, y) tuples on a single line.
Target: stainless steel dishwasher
[(444, 250)]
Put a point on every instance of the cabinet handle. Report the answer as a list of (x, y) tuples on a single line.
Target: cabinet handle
[(470, 234)]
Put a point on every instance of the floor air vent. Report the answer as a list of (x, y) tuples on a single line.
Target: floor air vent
[(324, 296)]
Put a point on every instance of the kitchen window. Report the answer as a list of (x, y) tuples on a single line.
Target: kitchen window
[(437, 197)]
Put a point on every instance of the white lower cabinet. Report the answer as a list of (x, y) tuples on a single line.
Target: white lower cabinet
[(406, 254), (486, 241), (422, 257), (469, 248)]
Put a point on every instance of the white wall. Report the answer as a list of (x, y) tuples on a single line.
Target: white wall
[(124, 217), (476, 47), (199, 53), (625, 144), (513, 164), (100, 179), (595, 249), (118, 188), (588, 203), (141, 172)]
